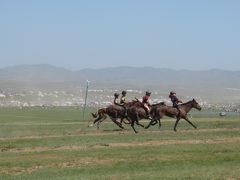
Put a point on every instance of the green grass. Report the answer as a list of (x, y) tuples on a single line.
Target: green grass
[(152, 162), (99, 139), (30, 129)]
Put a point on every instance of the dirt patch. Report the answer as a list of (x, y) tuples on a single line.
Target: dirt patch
[(167, 142), (74, 163), (77, 163), (130, 144)]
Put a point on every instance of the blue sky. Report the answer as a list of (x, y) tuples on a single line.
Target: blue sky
[(186, 34)]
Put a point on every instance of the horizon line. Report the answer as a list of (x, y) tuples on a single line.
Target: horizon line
[(109, 67)]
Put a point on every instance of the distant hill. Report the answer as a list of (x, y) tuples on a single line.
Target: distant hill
[(154, 76), (139, 76), (36, 73), (209, 83)]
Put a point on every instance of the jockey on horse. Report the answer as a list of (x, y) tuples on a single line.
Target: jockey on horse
[(116, 100), (146, 104), (122, 101), (175, 101), (123, 98)]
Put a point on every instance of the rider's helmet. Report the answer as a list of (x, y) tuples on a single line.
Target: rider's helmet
[(172, 92), (124, 93), (148, 93), (116, 95)]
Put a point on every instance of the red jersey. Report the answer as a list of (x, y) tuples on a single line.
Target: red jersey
[(145, 99)]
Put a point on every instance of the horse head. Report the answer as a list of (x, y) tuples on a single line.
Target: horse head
[(196, 105)]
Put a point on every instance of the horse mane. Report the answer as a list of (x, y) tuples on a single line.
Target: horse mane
[(186, 103)]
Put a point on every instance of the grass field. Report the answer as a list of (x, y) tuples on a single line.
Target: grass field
[(56, 144)]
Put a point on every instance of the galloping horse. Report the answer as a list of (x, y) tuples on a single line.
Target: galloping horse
[(173, 112), (114, 112), (137, 112)]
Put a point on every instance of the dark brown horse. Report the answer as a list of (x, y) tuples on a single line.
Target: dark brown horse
[(174, 113), (137, 112), (114, 112)]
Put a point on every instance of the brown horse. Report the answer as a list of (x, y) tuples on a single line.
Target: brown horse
[(114, 112), (174, 113), (137, 112)]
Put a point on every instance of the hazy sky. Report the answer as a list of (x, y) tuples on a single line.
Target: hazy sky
[(177, 34)]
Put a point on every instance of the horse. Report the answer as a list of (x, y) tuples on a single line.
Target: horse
[(174, 113), (137, 112), (114, 112)]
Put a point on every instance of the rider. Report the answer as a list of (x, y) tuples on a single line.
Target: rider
[(175, 101), (123, 101), (123, 98), (145, 103), (116, 100)]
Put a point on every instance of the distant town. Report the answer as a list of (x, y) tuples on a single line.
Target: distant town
[(95, 98)]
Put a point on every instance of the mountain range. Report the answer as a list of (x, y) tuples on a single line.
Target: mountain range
[(214, 83)]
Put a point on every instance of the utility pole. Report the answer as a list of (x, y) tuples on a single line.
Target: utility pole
[(85, 102)]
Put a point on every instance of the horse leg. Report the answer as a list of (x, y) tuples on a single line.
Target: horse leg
[(117, 123), (154, 122), (186, 118), (126, 122), (159, 124), (98, 119), (122, 120), (150, 123), (132, 125), (137, 121), (99, 122), (176, 124)]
